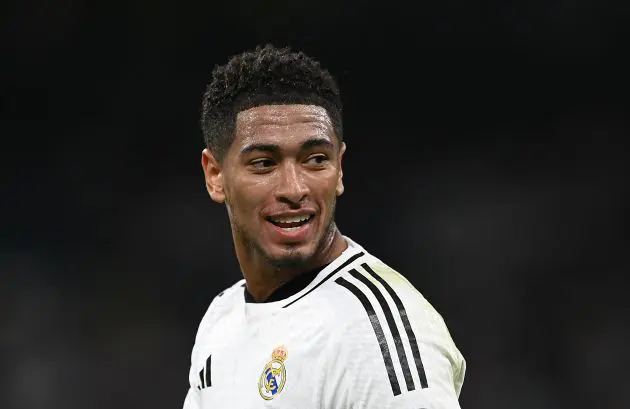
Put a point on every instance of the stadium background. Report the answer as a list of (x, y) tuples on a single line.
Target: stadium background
[(485, 161)]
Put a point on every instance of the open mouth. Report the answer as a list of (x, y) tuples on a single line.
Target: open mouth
[(290, 223)]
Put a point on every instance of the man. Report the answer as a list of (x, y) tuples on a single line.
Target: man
[(317, 322)]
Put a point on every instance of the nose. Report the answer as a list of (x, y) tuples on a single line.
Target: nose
[(292, 188)]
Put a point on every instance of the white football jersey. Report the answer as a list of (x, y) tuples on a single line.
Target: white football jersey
[(358, 336)]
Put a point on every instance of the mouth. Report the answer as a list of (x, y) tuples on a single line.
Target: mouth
[(290, 223)]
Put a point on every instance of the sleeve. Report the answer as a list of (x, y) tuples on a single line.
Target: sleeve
[(193, 397), (366, 370)]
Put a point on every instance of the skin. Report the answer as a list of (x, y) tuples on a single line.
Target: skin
[(284, 158)]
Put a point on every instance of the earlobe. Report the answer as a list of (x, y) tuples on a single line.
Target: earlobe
[(213, 175)]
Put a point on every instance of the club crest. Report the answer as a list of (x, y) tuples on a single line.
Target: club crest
[(274, 375)]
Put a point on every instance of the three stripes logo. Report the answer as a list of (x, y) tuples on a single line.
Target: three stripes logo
[(205, 380), (391, 324)]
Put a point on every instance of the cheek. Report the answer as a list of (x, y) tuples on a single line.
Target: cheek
[(248, 196), (327, 191)]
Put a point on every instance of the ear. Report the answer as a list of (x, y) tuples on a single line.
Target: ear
[(213, 173), (340, 187)]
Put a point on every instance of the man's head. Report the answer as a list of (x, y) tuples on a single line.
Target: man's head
[(272, 125)]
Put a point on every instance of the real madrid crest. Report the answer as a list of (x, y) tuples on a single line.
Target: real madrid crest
[(274, 375)]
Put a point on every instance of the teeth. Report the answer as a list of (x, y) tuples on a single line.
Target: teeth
[(295, 219)]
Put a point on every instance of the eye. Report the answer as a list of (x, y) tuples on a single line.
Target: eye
[(262, 163), (319, 159)]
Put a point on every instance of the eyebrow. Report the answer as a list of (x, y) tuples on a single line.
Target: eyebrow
[(272, 148)]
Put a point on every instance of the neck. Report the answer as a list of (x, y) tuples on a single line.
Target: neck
[(263, 278)]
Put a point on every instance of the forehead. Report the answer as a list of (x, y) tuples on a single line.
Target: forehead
[(282, 124)]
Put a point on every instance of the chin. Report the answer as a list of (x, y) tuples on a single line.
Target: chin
[(291, 258)]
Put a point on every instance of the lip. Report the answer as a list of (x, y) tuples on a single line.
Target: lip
[(301, 212), (297, 234)]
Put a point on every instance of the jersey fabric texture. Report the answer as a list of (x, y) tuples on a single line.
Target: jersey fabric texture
[(359, 335)]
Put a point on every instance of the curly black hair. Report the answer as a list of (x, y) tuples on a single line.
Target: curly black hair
[(265, 76)]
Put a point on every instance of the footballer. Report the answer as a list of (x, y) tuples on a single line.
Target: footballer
[(317, 321)]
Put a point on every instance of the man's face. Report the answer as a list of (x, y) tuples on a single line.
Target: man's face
[(280, 180)]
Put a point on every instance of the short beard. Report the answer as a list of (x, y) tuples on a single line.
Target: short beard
[(293, 261)]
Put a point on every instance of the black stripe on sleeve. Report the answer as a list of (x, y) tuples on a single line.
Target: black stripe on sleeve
[(378, 331), (201, 379), (406, 323), (208, 371), (335, 271), (402, 356)]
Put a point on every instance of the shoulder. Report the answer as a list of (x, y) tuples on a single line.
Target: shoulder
[(229, 296), (374, 285), (389, 288), (367, 285), (404, 295), (221, 305), (384, 316)]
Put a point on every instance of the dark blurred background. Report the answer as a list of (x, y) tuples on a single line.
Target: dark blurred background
[(486, 161)]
